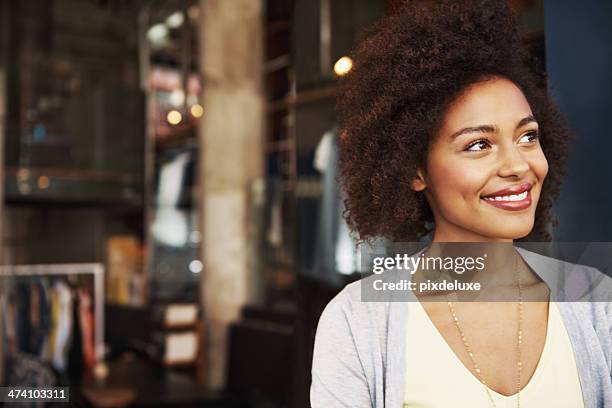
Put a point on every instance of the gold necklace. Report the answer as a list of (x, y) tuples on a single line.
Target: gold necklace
[(519, 364)]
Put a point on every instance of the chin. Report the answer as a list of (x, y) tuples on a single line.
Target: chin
[(513, 232)]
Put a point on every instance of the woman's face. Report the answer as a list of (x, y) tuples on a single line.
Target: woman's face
[(486, 167)]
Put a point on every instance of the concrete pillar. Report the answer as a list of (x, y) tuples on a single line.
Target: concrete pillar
[(231, 151)]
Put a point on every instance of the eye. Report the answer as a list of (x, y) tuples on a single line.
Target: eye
[(478, 145), (530, 137)]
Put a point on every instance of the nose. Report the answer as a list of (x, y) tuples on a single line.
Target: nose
[(512, 162)]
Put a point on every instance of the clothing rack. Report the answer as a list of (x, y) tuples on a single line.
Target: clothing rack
[(95, 269)]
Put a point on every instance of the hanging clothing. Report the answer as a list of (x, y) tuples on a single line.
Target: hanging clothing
[(51, 322), (335, 251), (39, 316), (64, 327), (10, 322), (87, 327), (48, 350), (75, 363), (323, 152), (170, 226), (324, 265), (274, 234), (23, 324)]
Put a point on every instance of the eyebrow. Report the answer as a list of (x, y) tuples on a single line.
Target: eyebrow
[(490, 128)]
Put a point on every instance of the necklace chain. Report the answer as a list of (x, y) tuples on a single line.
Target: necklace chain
[(468, 349)]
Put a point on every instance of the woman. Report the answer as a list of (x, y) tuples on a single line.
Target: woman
[(447, 132)]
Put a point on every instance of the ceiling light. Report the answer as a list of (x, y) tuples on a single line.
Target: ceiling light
[(157, 33), (176, 19), (196, 266), (343, 66), (177, 98), (197, 110), (174, 117), (43, 182)]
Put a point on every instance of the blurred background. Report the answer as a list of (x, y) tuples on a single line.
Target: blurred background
[(170, 219)]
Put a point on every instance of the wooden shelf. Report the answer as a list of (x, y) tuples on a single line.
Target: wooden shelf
[(74, 174), (277, 26), (277, 64), (302, 98), (279, 146)]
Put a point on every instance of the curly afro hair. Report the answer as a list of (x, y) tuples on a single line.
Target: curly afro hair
[(408, 69)]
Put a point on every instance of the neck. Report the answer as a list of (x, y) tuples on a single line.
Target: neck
[(502, 265), (446, 231)]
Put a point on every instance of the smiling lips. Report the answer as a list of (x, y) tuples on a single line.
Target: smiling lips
[(513, 198)]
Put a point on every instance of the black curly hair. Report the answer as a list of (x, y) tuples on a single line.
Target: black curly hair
[(408, 69)]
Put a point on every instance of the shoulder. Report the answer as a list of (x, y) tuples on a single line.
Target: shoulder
[(539, 261), (366, 325), (348, 351), (348, 310), (570, 282)]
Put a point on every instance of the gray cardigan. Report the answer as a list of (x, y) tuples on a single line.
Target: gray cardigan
[(359, 348)]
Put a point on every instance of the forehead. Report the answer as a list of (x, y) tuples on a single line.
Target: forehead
[(495, 101)]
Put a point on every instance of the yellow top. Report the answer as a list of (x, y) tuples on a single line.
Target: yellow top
[(436, 378)]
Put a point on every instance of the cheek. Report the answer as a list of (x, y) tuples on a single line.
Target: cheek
[(455, 181), (540, 166)]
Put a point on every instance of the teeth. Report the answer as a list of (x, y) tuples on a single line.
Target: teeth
[(513, 197)]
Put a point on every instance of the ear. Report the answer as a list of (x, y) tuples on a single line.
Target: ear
[(418, 183)]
